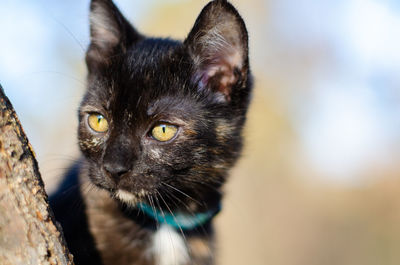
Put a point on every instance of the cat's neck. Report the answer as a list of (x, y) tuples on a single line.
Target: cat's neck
[(132, 234), (151, 217)]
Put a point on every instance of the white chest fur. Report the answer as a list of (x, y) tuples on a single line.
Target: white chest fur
[(168, 247)]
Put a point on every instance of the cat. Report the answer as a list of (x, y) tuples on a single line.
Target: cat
[(160, 126)]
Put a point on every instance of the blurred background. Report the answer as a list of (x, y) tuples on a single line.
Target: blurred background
[(318, 182)]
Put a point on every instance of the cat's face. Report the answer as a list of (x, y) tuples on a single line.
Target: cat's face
[(161, 117)]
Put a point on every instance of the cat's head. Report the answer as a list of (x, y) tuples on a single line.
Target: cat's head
[(162, 117)]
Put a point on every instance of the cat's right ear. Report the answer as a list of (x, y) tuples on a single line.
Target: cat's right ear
[(218, 46), (110, 33)]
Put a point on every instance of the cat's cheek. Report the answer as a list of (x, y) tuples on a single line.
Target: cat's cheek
[(91, 143), (224, 130), (91, 147), (155, 154)]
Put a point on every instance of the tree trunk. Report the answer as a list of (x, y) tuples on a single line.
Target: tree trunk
[(28, 231)]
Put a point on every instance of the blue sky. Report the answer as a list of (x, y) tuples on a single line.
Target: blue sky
[(348, 112), (349, 116), (42, 70)]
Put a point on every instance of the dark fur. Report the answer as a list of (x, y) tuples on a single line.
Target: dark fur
[(136, 82)]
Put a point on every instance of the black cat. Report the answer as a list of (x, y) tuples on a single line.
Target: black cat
[(159, 128)]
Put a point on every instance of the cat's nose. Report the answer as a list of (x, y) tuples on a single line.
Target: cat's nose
[(116, 170), (119, 157)]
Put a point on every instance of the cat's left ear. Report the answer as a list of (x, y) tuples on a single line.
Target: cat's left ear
[(110, 33), (218, 45)]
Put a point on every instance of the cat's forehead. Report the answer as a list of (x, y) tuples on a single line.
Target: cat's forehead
[(152, 78), (151, 62), (151, 53)]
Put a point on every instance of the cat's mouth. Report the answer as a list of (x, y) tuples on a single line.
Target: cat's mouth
[(130, 198)]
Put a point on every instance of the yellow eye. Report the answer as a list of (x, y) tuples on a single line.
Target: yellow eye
[(164, 132), (98, 123)]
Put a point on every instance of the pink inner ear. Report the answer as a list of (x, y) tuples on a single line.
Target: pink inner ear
[(218, 72)]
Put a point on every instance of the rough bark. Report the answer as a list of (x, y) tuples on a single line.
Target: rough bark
[(28, 232)]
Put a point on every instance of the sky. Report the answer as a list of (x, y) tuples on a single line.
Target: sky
[(350, 115), (345, 110)]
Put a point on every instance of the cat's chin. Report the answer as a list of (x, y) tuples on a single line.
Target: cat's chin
[(130, 198)]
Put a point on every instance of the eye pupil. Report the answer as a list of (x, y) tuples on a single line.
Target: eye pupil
[(164, 132), (98, 123)]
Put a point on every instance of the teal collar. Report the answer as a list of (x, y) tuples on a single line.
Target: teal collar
[(181, 221)]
